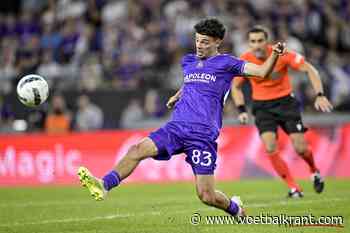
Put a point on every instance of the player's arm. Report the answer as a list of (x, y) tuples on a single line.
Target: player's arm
[(172, 100), (238, 99), (264, 70), (321, 102)]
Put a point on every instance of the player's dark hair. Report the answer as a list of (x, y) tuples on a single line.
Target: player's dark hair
[(259, 29), (210, 27)]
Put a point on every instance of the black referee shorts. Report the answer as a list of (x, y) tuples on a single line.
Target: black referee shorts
[(284, 112)]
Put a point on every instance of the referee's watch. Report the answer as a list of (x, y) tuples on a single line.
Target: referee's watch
[(241, 108), (320, 94)]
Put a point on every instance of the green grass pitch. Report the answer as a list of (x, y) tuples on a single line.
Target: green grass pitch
[(141, 208)]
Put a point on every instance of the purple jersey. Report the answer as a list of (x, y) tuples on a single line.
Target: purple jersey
[(206, 86)]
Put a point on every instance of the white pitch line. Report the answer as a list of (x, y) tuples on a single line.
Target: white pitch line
[(42, 203), (73, 203), (85, 202), (86, 219), (153, 213)]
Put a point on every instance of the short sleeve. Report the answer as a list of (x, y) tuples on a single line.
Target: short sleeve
[(294, 59), (236, 66)]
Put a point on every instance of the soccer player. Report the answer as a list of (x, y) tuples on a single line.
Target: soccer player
[(196, 119), (275, 105)]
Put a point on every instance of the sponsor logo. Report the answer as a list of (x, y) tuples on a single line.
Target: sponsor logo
[(200, 77), (45, 165)]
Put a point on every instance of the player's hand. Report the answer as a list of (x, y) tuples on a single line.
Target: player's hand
[(323, 104), (279, 48), (243, 118), (171, 102)]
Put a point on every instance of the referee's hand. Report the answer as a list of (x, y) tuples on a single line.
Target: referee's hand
[(323, 104), (279, 48), (243, 118)]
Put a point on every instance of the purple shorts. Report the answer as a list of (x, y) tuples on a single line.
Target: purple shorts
[(195, 140)]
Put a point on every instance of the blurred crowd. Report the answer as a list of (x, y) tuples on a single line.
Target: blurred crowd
[(137, 44)]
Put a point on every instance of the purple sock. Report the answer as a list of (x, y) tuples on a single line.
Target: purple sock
[(232, 208), (111, 180)]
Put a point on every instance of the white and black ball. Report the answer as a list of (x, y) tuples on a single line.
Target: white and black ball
[(32, 90)]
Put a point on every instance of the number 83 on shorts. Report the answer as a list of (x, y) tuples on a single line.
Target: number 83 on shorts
[(203, 162)]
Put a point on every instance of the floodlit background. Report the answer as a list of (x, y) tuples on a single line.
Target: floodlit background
[(113, 64)]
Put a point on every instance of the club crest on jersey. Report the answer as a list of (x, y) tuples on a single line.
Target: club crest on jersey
[(200, 64)]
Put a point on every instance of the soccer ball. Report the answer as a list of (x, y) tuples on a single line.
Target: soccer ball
[(32, 90)]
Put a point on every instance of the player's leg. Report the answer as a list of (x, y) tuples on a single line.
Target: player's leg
[(206, 192), (136, 153), (201, 155), (98, 187), (160, 145), (304, 151), (280, 166)]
